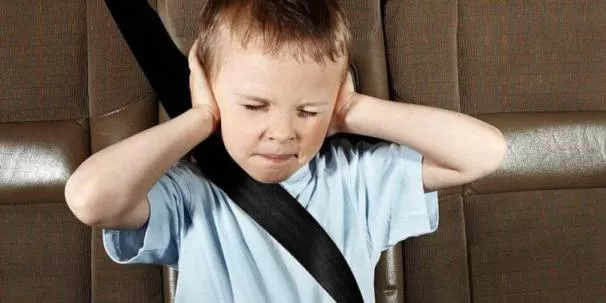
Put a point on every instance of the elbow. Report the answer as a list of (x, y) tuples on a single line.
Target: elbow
[(486, 158), (499, 149), (83, 202), (493, 156)]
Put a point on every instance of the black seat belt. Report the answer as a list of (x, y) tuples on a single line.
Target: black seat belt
[(270, 205)]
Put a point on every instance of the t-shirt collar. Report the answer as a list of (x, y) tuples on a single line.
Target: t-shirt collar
[(298, 180)]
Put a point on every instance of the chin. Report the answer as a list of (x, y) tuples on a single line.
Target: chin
[(268, 179), (268, 176)]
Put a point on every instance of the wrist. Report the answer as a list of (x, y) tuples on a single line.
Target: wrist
[(207, 115), (203, 123), (353, 119)]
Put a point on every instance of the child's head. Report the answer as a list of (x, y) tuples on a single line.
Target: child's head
[(275, 68)]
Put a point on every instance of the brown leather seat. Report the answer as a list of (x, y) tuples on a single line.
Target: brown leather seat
[(533, 231)]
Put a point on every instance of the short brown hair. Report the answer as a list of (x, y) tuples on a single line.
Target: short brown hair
[(308, 29)]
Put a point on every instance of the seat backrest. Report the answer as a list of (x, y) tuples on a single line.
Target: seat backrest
[(121, 104), (531, 231), (44, 250), (68, 87)]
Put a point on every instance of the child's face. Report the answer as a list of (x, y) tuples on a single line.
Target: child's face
[(275, 111)]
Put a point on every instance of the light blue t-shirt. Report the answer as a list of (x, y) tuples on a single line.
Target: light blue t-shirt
[(366, 197)]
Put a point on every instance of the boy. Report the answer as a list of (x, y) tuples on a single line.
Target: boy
[(277, 84)]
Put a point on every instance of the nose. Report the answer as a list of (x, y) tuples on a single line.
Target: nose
[(281, 128)]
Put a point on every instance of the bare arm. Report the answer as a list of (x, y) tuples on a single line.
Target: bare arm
[(109, 189), (457, 148)]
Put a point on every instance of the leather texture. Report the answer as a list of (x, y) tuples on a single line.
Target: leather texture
[(571, 153), (38, 158)]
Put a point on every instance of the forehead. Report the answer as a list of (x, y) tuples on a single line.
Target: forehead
[(252, 67)]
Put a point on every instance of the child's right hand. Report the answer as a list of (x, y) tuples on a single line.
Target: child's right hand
[(201, 93)]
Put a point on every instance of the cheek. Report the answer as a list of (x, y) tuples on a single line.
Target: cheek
[(314, 133), (238, 135)]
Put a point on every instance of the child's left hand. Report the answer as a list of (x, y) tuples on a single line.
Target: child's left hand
[(345, 99)]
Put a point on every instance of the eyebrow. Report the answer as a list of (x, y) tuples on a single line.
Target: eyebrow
[(255, 98), (267, 101)]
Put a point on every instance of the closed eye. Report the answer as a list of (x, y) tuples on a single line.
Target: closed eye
[(301, 113), (306, 114), (254, 107)]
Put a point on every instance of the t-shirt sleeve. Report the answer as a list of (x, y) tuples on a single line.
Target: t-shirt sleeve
[(386, 182), (158, 241)]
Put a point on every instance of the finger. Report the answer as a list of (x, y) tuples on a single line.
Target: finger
[(349, 81), (193, 60), (196, 70), (199, 86), (194, 48)]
